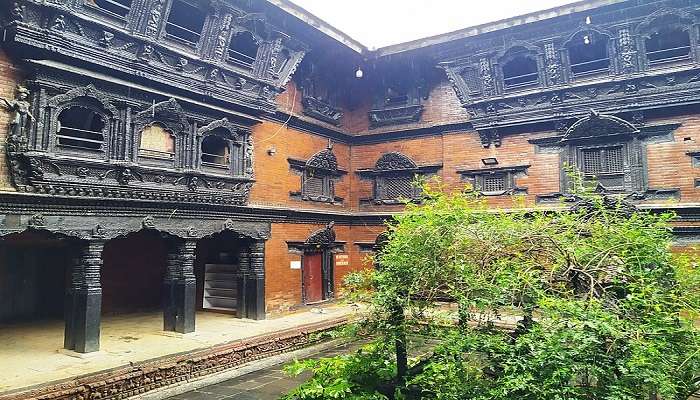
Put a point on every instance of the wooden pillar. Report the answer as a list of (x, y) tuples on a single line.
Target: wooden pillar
[(84, 300), (179, 288), (251, 284)]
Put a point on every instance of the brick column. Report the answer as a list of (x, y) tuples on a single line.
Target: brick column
[(179, 288), (84, 300)]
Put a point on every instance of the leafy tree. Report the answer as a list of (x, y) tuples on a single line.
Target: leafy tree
[(585, 303)]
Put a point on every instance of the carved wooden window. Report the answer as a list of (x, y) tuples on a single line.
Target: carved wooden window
[(80, 128), (216, 152), (472, 79), (396, 188), (243, 49), (493, 183), (496, 181), (117, 7), (157, 143), (185, 22), (394, 179), (520, 71), (588, 54), (604, 164), (668, 44), (317, 185)]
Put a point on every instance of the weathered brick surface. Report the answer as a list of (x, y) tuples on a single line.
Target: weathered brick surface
[(275, 179), (283, 289)]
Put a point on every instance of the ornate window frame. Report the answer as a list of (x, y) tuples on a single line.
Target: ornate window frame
[(597, 131), (171, 116), (324, 166), (508, 174), (513, 52), (649, 26), (86, 97), (578, 35), (394, 166), (240, 145)]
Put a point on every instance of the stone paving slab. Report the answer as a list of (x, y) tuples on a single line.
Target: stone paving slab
[(266, 384)]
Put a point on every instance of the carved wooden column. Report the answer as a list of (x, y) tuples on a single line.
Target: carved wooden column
[(179, 288), (256, 281), (244, 268), (84, 300), (251, 284)]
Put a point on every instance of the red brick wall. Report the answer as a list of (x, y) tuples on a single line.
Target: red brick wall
[(283, 290), (274, 179)]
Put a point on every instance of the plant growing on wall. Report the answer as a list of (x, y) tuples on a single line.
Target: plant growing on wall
[(586, 303)]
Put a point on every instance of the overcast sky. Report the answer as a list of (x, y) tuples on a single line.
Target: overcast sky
[(377, 23)]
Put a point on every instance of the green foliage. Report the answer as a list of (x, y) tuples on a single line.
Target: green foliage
[(599, 306)]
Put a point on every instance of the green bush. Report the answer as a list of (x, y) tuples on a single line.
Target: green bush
[(604, 310)]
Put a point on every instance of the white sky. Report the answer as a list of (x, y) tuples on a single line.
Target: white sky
[(377, 23)]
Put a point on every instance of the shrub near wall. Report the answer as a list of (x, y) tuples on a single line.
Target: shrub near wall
[(604, 310)]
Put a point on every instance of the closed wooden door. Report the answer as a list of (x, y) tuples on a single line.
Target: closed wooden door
[(313, 277)]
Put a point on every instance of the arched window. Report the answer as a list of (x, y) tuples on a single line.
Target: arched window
[(117, 7), (185, 22), (588, 54), (81, 128), (243, 49), (667, 44), (216, 152), (157, 143), (520, 71)]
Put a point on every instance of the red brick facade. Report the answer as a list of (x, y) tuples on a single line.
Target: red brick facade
[(443, 138)]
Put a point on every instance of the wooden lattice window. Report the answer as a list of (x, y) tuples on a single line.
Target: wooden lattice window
[(472, 80), (493, 183), (602, 160), (80, 128), (395, 188), (317, 185)]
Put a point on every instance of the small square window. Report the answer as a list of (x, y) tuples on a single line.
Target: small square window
[(494, 183)]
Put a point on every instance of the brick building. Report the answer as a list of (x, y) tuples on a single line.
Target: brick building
[(226, 155)]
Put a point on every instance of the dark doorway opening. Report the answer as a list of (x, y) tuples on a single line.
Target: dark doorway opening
[(132, 273), (34, 274), (218, 273)]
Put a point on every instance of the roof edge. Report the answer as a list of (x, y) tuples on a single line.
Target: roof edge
[(319, 24), (476, 30)]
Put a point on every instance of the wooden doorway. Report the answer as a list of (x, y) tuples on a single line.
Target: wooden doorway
[(317, 273)]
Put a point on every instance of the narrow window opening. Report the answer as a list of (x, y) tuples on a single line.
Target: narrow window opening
[(668, 45), (118, 7), (185, 22), (216, 152), (157, 142), (520, 71), (243, 49), (589, 55), (81, 128)]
